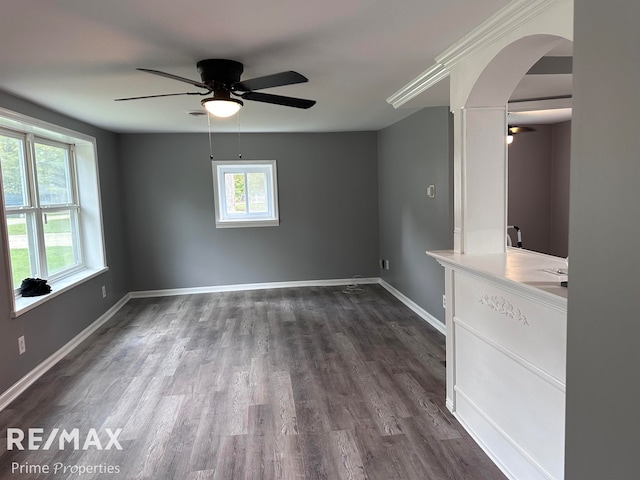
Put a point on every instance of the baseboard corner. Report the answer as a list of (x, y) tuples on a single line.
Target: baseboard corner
[(421, 312)]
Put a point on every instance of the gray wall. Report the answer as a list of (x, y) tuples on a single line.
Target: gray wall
[(412, 154), (327, 198), (539, 188), (529, 205), (49, 326), (560, 180), (603, 358)]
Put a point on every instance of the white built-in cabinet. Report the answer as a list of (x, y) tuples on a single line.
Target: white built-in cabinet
[(506, 356)]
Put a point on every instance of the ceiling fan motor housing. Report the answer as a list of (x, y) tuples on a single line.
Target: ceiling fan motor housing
[(220, 73)]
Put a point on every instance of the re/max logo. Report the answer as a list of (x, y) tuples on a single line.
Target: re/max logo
[(65, 438)]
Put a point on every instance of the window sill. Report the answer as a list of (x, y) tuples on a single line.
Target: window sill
[(247, 223), (24, 304)]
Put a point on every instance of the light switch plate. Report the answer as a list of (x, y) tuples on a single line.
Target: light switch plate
[(431, 191)]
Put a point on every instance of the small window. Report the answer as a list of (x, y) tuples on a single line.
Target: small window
[(246, 193)]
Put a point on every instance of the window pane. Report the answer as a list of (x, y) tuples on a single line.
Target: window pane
[(52, 166), (246, 193), (22, 247), (59, 240), (257, 191), (235, 193), (13, 172)]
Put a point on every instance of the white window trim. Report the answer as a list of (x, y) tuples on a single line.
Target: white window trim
[(36, 208), (224, 220), (88, 191)]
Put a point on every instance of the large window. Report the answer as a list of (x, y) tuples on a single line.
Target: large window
[(245, 193), (41, 206), (50, 198)]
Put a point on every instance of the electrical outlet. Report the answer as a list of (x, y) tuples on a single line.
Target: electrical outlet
[(386, 264), (444, 301), (21, 346), (381, 263), (104, 291), (431, 191)]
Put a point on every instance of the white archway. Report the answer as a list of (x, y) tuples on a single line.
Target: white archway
[(481, 85)]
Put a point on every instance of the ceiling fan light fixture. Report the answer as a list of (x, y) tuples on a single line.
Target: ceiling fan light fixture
[(222, 106)]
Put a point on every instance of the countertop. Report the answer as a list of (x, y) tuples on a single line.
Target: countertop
[(535, 273)]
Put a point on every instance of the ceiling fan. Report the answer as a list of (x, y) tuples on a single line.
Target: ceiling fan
[(511, 131), (515, 130), (222, 78)]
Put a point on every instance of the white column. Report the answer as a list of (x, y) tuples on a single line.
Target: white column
[(480, 179)]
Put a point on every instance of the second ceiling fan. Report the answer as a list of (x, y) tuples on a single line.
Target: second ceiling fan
[(221, 78)]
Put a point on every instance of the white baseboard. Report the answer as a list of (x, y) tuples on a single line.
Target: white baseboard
[(25, 382), (431, 320), (434, 322), (252, 286)]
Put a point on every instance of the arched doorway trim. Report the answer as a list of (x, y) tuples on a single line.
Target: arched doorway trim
[(481, 85)]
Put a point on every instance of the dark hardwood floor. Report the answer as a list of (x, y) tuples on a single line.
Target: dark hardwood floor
[(301, 383)]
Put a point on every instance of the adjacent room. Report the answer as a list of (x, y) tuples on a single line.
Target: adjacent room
[(317, 241)]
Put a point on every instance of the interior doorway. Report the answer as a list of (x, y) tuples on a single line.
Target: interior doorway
[(479, 103), (539, 119)]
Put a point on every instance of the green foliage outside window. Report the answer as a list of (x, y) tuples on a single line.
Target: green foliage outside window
[(53, 179)]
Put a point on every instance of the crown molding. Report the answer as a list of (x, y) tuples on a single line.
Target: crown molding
[(496, 27), (425, 80), (489, 32)]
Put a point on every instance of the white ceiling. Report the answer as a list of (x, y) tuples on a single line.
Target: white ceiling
[(77, 56)]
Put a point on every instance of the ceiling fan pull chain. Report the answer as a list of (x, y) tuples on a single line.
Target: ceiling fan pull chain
[(209, 129), (239, 150)]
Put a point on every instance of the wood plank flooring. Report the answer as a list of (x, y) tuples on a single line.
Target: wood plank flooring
[(300, 383)]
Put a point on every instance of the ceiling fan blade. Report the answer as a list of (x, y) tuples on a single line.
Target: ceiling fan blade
[(515, 130), (279, 100), (275, 80), (175, 77), (163, 95)]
